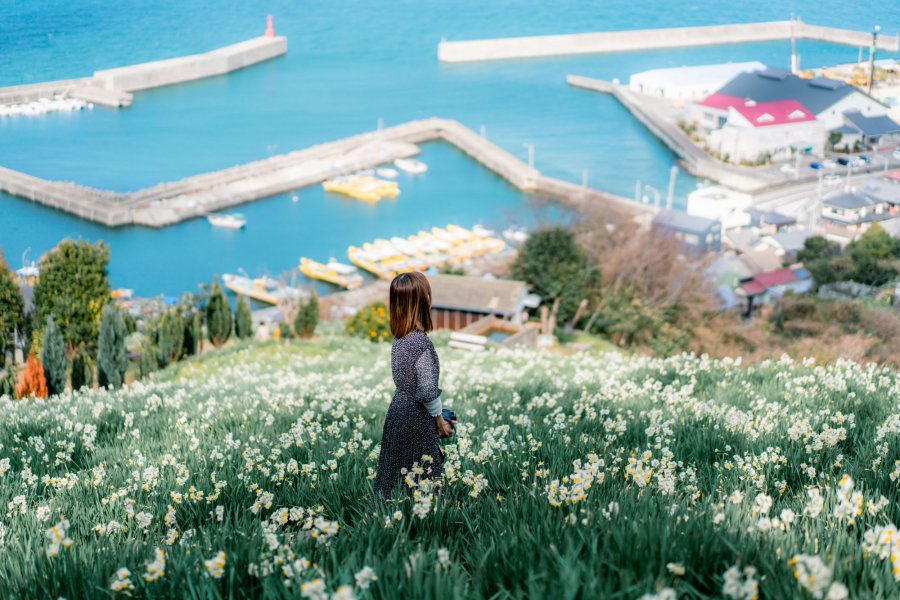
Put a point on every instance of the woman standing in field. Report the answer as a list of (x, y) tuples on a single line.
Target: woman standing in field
[(414, 420)]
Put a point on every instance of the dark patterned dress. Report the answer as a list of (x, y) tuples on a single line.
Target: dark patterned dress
[(409, 427)]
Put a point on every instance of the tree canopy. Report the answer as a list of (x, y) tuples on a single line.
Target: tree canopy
[(11, 307)]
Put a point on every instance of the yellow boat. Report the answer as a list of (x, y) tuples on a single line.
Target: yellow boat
[(333, 272), (362, 187), (262, 289)]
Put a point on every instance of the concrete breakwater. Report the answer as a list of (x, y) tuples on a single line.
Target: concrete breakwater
[(172, 202), (649, 39), (114, 87)]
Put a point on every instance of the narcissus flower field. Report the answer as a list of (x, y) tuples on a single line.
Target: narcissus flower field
[(247, 473)]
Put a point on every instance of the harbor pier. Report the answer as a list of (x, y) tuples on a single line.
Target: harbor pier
[(173, 202), (653, 39)]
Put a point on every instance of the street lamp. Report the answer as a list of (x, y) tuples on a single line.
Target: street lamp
[(530, 155), (872, 57), (656, 195)]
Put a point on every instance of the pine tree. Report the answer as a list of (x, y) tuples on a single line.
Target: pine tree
[(112, 361), (82, 371), (32, 383), (243, 320), (11, 307), (307, 317), (53, 358), (170, 337), (193, 326), (218, 316), (148, 363)]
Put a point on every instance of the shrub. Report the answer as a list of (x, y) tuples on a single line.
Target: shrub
[(307, 317), (74, 288), (112, 361), (370, 322), (32, 383), (218, 316), (53, 358), (193, 330), (82, 371), (149, 353), (243, 320)]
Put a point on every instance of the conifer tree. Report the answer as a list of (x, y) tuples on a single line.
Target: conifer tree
[(112, 360), (218, 316), (307, 317), (243, 320), (53, 358), (32, 383), (148, 363), (82, 371), (170, 337), (11, 307)]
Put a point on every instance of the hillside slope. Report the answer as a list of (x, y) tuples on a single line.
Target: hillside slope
[(246, 474)]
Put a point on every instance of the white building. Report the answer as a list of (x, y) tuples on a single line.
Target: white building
[(689, 83), (720, 203)]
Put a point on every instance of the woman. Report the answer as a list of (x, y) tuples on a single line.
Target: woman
[(414, 421)]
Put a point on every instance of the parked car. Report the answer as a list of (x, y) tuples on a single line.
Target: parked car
[(788, 168), (829, 164), (832, 180), (843, 160), (816, 166)]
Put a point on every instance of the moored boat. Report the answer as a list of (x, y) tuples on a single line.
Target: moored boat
[(411, 166), (227, 220), (263, 289), (333, 272)]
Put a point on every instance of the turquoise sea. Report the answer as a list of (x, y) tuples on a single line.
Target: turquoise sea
[(348, 64)]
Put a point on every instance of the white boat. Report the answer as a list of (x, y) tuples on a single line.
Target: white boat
[(515, 235), (387, 172), (411, 166), (482, 231), (227, 220)]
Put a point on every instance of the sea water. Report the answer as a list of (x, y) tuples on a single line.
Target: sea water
[(349, 66)]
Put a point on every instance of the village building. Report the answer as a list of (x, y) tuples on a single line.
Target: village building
[(721, 203), (853, 211), (699, 232), (763, 288), (459, 300), (689, 83)]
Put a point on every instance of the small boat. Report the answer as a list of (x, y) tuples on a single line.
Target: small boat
[(411, 166), (295, 198), (516, 235), (227, 220), (387, 173), (482, 232), (263, 289), (362, 187), (336, 273)]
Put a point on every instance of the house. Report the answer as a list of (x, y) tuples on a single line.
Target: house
[(762, 259), (788, 243), (827, 99), (699, 232), (689, 83), (892, 226), (763, 288), (459, 300), (742, 129), (721, 203), (853, 211), (867, 130), (726, 272), (770, 222)]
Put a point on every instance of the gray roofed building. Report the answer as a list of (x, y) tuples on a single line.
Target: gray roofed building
[(873, 127), (467, 294), (771, 85), (854, 208), (883, 190), (761, 218), (691, 229), (849, 201), (791, 241)]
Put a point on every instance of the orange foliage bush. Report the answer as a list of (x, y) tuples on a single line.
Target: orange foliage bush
[(32, 383)]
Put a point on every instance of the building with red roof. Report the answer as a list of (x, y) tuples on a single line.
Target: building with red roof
[(762, 288)]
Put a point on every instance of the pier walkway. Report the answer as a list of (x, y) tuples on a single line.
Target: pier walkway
[(114, 87), (172, 202), (650, 39)]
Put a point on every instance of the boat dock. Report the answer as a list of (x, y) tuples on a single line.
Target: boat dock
[(651, 39), (173, 202), (114, 87)]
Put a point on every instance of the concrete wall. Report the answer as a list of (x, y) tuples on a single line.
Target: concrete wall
[(187, 68), (748, 143), (646, 39)]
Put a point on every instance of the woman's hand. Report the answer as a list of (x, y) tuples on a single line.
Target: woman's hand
[(444, 428)]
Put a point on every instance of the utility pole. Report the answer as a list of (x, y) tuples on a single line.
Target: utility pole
[(872, 57), (530, 155), (670, 197), (794, 65)]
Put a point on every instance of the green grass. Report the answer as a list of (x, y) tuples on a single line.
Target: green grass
[(252, 416)]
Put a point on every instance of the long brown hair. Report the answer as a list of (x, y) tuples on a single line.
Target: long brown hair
[(410, 304)]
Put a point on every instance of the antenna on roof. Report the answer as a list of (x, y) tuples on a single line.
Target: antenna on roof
[(794, 62)]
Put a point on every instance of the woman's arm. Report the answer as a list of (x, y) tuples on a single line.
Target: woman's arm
[(428, 392)]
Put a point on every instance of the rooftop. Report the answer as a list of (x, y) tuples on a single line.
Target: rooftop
[(681, 221), (793, 240), (475, 294), (871, 126), (770, 217), (761, 114), (770, 85), (850, 201)]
